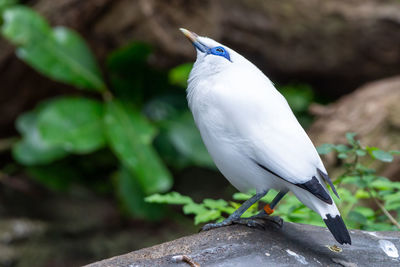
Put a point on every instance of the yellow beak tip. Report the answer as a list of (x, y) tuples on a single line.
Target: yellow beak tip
[(190, 35)]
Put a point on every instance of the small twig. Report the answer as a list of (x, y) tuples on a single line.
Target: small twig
[(185, 258), (393, 220)]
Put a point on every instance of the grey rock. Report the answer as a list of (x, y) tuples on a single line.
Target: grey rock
[(292, 245)]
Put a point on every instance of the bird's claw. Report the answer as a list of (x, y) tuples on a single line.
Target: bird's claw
[(276, 221), (259, 221), (252, 223), (210, 226)]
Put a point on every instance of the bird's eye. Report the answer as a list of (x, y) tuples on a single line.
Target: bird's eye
[(220, 51)]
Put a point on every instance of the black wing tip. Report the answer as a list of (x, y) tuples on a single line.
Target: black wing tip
[(314, 187), (329, 181), (338, 229)]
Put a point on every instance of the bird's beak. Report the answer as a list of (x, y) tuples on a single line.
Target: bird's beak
[(194, 38)]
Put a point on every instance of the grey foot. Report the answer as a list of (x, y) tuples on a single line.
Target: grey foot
[(259, 221), (210, 226)]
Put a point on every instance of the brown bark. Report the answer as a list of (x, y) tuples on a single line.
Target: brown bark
[(372, 111)]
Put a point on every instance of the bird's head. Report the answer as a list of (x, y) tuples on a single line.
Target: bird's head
[(212, 57)]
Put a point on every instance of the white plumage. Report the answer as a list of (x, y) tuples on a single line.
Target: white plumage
[(249, 129)]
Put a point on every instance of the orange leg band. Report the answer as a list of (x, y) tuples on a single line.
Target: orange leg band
[(268, 209)]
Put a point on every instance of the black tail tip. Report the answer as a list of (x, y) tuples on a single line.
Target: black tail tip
[(338, 229)]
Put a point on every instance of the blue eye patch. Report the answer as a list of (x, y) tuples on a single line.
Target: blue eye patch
[(219, 51)]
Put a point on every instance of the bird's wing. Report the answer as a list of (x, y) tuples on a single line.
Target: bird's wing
[(291, 159), (274, 139)]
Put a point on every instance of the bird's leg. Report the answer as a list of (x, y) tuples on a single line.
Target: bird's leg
[(259, 220), (236, 215), (269, 208)]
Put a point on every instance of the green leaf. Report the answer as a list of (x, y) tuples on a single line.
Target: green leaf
[(57, 177), (180, 74), (382, 155), (392, 197), (393, 205), (132, 78), (34, 152), (183, 134), (26, 122), (130, 136), (361, 152), (357, 217), (241, 196), (394, 152), (392, 201), (215, 204), (218, 204), (364, 169), (346, 196), (23, 26), (362, 194), (370, 149), (132, 197), (379, 154), (194, 208), (166, 108), (6, 3), (350, 138), (325, 149), (74, 124), (59, 53), (32, 149), (208, 215), (170, 198), (269, 197), (341, 148), (353, 180), (385, 184), (365, 211)]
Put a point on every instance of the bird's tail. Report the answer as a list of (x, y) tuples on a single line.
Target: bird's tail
[(329, 213), (338, 228)]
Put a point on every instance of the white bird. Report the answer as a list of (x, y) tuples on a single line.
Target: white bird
[(253, 136)]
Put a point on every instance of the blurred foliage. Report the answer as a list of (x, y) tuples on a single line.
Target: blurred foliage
[(58, 53), (90, 139), (120, 131), (363, 187), (208, 210), (358, 186), (179, 75), (7, 3)]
